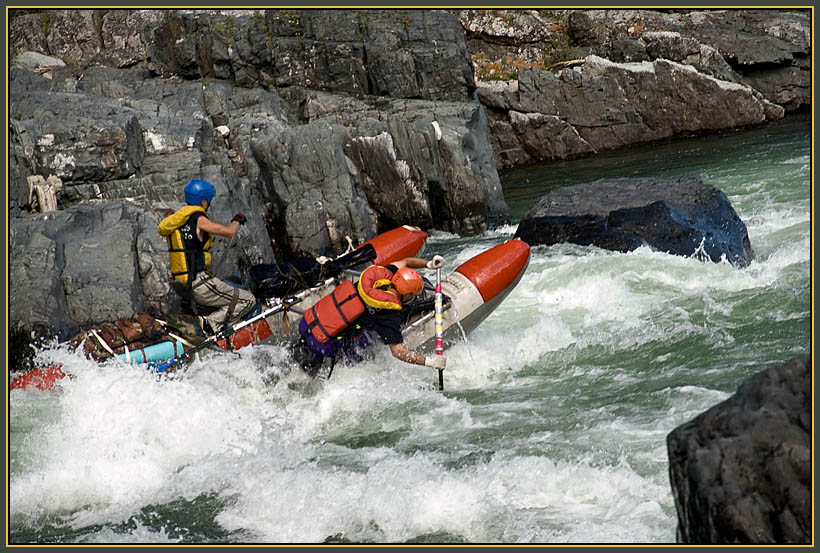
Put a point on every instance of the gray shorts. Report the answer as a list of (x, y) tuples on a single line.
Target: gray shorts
[(231, 302)]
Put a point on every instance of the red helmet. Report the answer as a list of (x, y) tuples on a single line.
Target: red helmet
[(407, 281)]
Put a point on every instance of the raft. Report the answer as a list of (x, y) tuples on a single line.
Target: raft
[(472, 291), (387, 247)]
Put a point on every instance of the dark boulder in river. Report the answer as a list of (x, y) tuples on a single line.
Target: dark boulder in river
[(741, 471), (684, 216)]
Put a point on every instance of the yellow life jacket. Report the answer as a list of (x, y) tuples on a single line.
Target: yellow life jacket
[(371, 286), (182, 250)]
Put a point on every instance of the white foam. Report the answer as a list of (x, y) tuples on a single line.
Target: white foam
[(401, 496), (139, 430)]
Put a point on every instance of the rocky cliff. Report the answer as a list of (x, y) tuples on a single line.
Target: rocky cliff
[(565, 83), (319, 124)]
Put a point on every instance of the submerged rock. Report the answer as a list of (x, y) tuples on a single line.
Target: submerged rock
[(741, 471), (683, 217)]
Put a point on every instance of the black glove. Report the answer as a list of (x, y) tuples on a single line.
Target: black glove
[(240, 218)]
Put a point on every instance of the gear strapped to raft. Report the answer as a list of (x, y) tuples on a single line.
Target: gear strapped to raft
[(276, 280), (125, 334)]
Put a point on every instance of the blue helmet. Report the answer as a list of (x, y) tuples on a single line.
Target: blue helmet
[(197, 190)]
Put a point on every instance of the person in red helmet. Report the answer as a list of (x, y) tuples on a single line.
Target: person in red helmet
[(383, 291)]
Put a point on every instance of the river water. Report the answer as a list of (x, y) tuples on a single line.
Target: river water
[(551, 428)]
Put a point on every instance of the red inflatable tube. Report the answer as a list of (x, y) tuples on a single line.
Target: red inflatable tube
[(41, 379), (254, 333), (401, 242), (494, 270)]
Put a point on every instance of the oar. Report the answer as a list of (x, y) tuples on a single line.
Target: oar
[(439, 327), (224, 333)]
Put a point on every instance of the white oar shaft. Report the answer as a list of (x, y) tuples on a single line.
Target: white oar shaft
[(439, 326), (439, 315)]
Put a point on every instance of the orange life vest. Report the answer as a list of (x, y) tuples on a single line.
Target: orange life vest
[(339, 309), (334, 312)]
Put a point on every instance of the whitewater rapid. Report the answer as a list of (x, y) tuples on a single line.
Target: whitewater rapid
[(551, 427)]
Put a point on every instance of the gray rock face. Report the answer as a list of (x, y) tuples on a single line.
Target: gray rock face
[(686, 50), (82, 38), (399, 162), (656, 85), (311, 187), (741, 471), (398, 53), (602, 105), (86, 264), (684, 217), (504, 41), (768, 50), (275, 107)]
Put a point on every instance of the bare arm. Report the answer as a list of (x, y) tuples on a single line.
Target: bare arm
[(412, 262), (403, 353), (204, 224)]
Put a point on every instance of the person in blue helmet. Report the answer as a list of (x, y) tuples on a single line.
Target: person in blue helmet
[(190, 233)]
